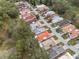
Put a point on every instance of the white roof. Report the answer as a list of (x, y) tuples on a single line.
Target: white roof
[(36, 28), (40, 44), (33, 25), (41, 6), (56, 19), (50, 13)]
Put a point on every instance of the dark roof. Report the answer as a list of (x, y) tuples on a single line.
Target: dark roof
[(55, 51), (77, 57), (64, 22)]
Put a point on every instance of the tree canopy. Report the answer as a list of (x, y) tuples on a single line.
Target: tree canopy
[(14, 29)]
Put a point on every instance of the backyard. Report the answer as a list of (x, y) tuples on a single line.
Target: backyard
[(70, 51), (73, 41)]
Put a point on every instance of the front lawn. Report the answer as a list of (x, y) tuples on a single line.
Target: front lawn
[(41, 22), (58, 30), (53, 25), (56, 38), (49, 30), (65, 36), (45, 27), (49, 21), (72, 42), (61, 44), (70, 51)]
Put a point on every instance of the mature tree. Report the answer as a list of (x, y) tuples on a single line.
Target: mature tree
[(18, 31), (75, 2), (8, 8), (60, 6)]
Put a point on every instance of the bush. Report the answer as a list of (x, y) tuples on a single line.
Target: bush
[(72, 42), (65, 36)]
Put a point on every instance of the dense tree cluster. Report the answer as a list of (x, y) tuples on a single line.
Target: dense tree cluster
[(17, 34)]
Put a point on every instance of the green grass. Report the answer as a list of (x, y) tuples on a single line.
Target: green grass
[(53, 25), (48, 21), (72, 42), (56, 38), (58, 30), (45, 27), (41, 22), (62, 44), (65, 36), (70, 51), (49, 30)]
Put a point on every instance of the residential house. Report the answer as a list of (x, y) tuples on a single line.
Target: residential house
[(48, 43), (20, 5), (77, 57), (25, 12), (74, 33), (56, 19), (64, 22), (37, 28), (55, 51), (65, 56), (42, 8), (29, 17), (49, 14), (42, 36), (68, 28), (71, 30)]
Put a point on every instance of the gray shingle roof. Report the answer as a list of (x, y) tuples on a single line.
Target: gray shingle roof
[(55, 51)]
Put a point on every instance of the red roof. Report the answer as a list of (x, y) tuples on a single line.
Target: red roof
[(42, 36), (74, 33), (27, 15)]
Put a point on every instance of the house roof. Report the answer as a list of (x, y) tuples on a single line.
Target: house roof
[(22, 5), (50, 13), (64, 22), (55, 51), (33, 25), (36, 28), (42, 7), (68, 28), (56, 19), (39, 30), (27, 15), (77, 57), (74, 33), (48, 43), (50, 16), (71, 29), (42, 36)]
